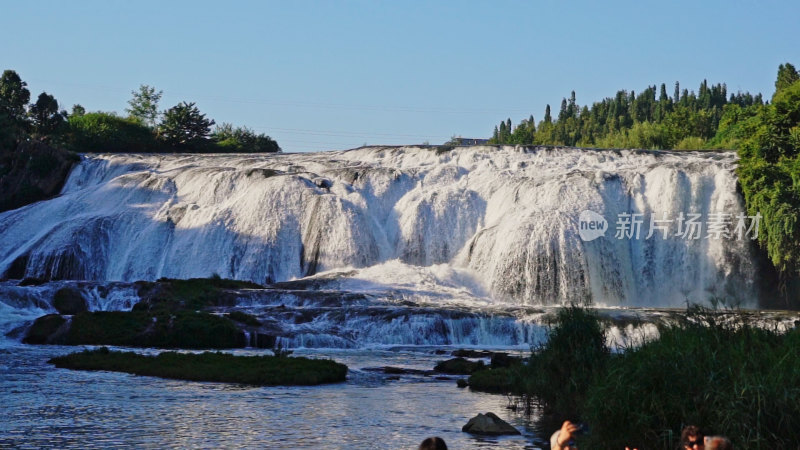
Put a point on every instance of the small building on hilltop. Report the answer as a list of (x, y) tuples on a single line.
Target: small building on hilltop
[(467, 141)]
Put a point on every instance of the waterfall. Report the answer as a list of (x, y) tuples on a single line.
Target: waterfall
[(480, 224)]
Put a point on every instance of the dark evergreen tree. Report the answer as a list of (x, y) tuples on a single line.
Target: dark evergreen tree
[(787, 75), (184, 124), (14, 96), (651, 119), (45, 114), (572, 106), (77, 110)]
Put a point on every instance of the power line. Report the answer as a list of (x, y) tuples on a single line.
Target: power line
[(355, 134), (304, 104)]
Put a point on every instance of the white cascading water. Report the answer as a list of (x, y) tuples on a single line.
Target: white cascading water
[(483, 223)]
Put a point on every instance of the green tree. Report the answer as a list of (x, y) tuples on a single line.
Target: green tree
[(662, 96), (572, 106), (783, 124), (787, 75), (77, 110), (562, 113), (45, 114), (184, 124), (14, 96), (243, 139), (144, 104), (769, 170)]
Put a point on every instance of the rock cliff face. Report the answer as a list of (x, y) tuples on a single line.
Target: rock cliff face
[(31, 172)]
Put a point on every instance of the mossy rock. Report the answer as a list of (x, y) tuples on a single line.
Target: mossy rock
[(69, 301), (458, 366), (489, 425), (266, 173), (193, 294), (44, 329), (191, 330)]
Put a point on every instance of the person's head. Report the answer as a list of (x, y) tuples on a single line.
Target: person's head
[(692, 438), (433, 443), (718, 443)]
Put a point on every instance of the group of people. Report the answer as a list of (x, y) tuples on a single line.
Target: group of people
[(692, 438)]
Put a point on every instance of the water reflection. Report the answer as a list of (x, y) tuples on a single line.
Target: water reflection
[(47, 407)]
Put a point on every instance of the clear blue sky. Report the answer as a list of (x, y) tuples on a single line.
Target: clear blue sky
[(319, 75)]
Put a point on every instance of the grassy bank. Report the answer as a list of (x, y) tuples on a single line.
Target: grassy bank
[(725, 376), (208, 366), (733, 379)]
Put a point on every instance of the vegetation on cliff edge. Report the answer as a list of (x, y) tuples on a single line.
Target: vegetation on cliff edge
[(725, 375)]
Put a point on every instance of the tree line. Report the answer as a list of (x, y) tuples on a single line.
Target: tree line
[(145, 128), (768, 141), (651, 119)]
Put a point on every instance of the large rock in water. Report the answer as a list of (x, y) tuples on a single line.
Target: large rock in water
[(46, 330), (458, 366), (69, 301), (489, 424)]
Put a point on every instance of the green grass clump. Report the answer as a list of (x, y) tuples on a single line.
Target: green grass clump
[(559, 373), (210, 366), (501, 380), (736, 380), (725, 376)]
